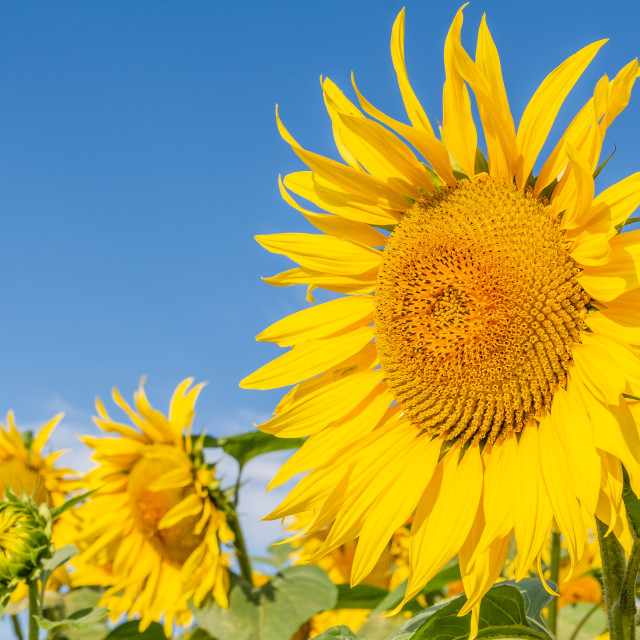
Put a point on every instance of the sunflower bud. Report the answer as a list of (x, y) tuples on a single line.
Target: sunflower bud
[(25, 540)]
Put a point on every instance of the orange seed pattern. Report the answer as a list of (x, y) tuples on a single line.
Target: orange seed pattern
[(477, 308)]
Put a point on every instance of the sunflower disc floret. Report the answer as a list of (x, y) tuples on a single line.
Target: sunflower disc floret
[(477, 306)]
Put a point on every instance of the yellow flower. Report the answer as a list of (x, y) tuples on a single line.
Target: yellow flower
[(153, 529), (472, 372), (388, 573), (24, 468), (577, 584)]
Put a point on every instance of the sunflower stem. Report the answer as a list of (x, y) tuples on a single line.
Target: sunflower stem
[(555, 573), (626, 605), (614, 573), (16, 627), (34, 609), (238, 537)]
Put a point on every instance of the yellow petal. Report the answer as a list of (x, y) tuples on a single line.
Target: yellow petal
[(540, 113), (618, 319), (336, 439), (320, 321), (190, 506), (307, 359), (582, 193), (43, 435), (315, 410), (532, 513), (324, 194), (404, 482), (345, 178), (499, 492), (572, 427), (564, 502), (360, 283), (444, 516), (620, 274), (323, 253), (433, 150), (414, 109), (378, 150), (458, 130), (485, 80)]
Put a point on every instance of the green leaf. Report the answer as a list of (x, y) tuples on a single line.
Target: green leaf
[(536, 599), (130, 631), (84, 598), (362, 596), (81, 620), (278, 555), (337, 633), (245, 446), (49, 565), (503, 614), (271, 612)]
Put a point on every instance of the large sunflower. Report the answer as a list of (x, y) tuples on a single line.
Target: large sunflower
[(473, 372), (153, 529)]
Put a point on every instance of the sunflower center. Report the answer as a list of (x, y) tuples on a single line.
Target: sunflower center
[(477, 308), (176, 542), (19, 476)]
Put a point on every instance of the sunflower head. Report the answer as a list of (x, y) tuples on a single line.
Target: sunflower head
[(24, 468), (470, 367), (25, 539), (156, 515)]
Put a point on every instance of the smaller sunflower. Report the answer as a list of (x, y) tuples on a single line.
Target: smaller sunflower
[(154, 529), (24, 468), (390, 571)]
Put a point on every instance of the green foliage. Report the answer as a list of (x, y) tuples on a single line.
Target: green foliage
[(245, 446), (82, 620), (362, 596), (337, 633), (130, 631), (49, 565), (272, 612), (506, 611), (76, 600), (569, 618), (278, 555)]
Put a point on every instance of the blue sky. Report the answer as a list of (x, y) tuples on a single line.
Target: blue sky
[(139, 156)]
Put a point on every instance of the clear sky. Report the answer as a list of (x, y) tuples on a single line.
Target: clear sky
[(139, 156)]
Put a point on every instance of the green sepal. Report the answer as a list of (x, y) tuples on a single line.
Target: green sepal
[(481, 164), (596, 173)]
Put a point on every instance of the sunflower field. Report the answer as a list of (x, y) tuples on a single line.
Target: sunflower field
[(458, 414)]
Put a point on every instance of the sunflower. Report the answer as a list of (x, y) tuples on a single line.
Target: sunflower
[(472, 370), (389, 572), (24, 468), (153, 529)]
